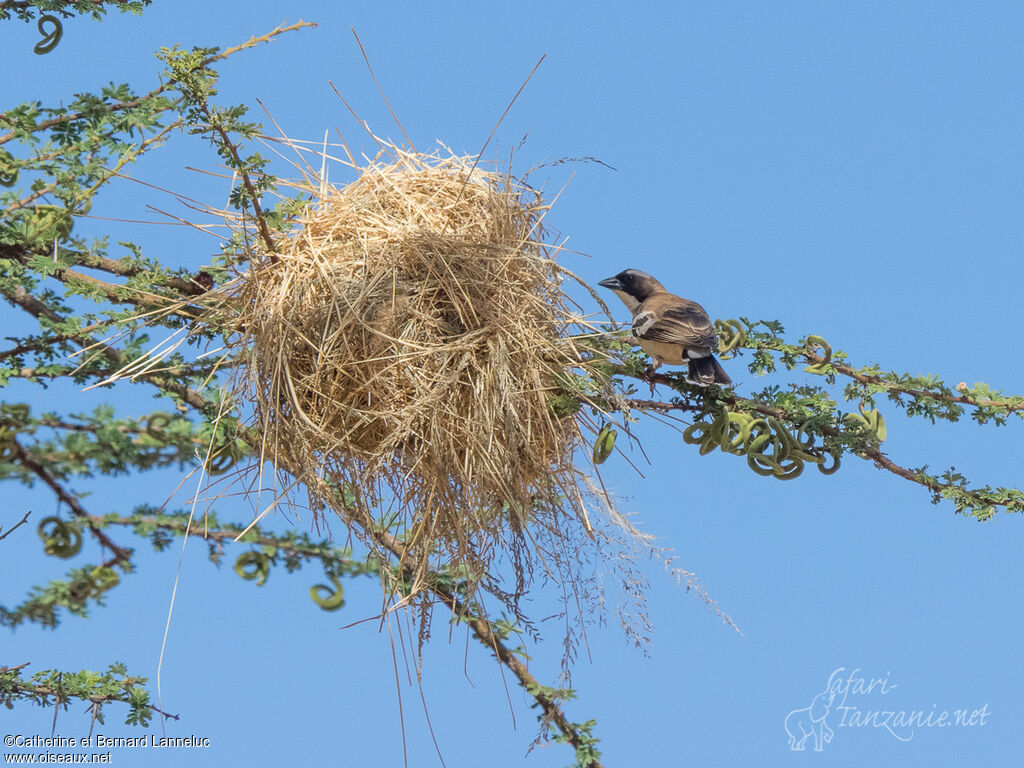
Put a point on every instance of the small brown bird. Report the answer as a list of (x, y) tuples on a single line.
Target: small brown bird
[(669, 328)]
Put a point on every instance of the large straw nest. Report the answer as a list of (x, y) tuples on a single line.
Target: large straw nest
[(402, 345)]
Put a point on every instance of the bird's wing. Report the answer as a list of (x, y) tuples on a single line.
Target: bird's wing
[(673, 320)]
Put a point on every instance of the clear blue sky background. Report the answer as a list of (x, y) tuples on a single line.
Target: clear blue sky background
[(853, 170)]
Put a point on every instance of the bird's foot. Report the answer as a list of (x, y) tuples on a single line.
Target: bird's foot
[(650, 377)]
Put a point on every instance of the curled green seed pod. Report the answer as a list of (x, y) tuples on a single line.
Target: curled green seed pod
[(604, 444), (805, 437), (784, 440), (51, 38), (873, 420), (694, 433), (855, 420), (785, 460), (743, 428), (771, 449), (707, 446), (103, 579), (762, 464), (720, 426), (705, 434), (813, 458), (798, 448), (877, 423), (221, 461), (43, 225), (829, 470), (155, 425), (8, 173), (813, 342), (253, 566), (333, 599), (731, 336), (734, 438), (698, 433), (62, 540), (717, 431), (790, 470)]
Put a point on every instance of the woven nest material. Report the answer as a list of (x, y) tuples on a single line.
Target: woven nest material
[(401, 348)]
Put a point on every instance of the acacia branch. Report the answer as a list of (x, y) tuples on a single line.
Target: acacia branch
[(261, 221), (112, 292), (133, 103), (42, 693), (893, 387), (26, 301), (39, 343), (19, 453), (33, 345), (483, 632), (219, 535), (13, 528), (552, 712), (30, 198), (7, 5), (73, 116), (121, 268), (480, 627), (867, 452)]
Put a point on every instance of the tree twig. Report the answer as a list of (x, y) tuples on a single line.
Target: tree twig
[(873, 454), (22, 298), (21, 455), (15, 526), (27, 690)]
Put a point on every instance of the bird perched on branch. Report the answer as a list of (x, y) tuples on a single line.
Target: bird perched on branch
[(669, 328)]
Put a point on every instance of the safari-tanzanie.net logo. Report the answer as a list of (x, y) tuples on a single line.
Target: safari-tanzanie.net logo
[(855, 701)]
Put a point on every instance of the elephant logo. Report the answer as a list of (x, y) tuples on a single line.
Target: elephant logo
[(802, 724)]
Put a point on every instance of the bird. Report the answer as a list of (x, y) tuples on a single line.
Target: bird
[(669, 328)]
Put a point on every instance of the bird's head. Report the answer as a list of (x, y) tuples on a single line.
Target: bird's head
[(632, 286)]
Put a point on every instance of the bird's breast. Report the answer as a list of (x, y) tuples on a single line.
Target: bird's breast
[(672, 354)]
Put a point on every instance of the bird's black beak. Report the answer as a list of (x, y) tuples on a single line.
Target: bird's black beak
[(611, 283)]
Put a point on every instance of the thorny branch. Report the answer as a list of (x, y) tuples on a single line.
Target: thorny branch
[(873, 454), (121, 554), (43, 693), (14, 527), (23, 299), (892, 387)]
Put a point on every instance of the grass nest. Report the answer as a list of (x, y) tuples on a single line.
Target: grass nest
[(402, 347)]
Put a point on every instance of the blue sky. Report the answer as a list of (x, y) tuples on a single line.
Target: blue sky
[(855, 171)]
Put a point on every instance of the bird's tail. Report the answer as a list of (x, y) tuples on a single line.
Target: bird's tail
[(707, 370)]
